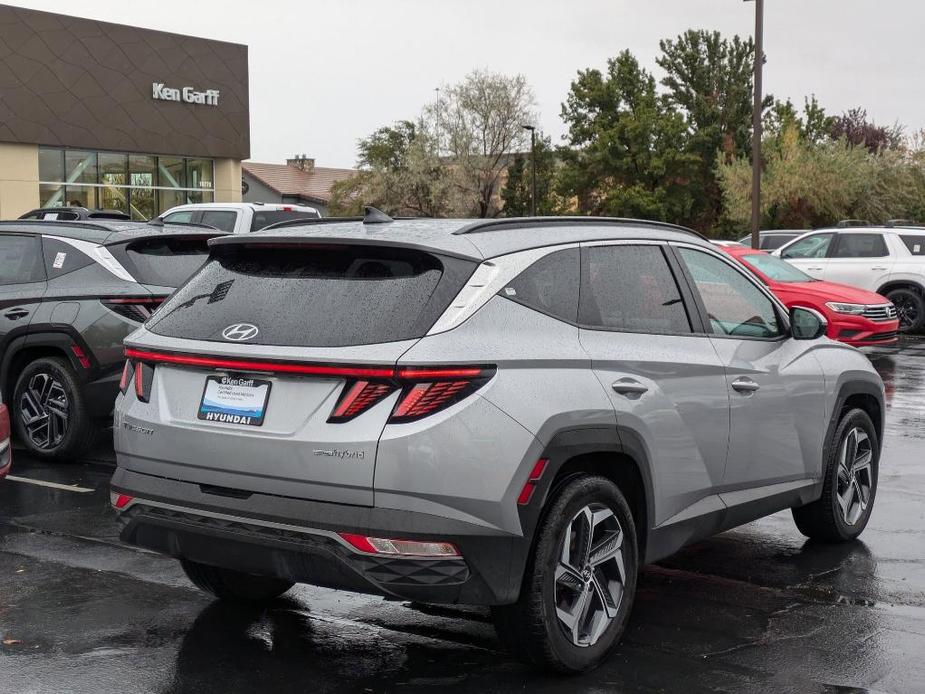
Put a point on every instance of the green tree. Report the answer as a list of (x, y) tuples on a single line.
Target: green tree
[(626, 154), (517, 191), (400, 173), (709, 79)]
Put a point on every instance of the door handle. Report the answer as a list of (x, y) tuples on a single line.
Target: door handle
[(815, 269), (16, 313), (879, 269), (745, 385), (627, 386)]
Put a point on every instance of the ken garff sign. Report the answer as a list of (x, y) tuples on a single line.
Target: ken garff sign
[(207, 97)]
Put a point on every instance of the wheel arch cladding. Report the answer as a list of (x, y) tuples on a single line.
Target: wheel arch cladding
[(901, 284), (615, 455), (20, 352)]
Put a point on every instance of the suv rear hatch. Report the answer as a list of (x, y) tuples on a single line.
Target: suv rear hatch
[(160, 264), (274, 369)]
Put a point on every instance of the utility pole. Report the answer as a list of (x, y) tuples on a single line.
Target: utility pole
[(532, 129), (756, 123)]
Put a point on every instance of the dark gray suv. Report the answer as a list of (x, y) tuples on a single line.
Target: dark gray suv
[(514, 413), (69, 293)]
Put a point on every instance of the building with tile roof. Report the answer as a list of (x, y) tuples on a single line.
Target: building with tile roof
[(297, 181)]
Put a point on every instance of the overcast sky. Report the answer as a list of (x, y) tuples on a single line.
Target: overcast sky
[(324, 73)]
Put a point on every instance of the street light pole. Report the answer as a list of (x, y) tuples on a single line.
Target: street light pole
[(756, 123), (532, 130)]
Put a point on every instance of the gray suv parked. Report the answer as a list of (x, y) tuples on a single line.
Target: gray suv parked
[(515, 413), (69, 293)]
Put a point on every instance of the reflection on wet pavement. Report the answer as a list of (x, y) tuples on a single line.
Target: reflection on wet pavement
[(755, 609)]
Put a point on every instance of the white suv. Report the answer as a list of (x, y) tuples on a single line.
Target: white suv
[(886, 260), (237, 217)]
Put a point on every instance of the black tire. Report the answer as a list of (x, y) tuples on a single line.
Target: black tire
[(235, 586), (531, 627), (64, 407), (827, 519), (911, 308)]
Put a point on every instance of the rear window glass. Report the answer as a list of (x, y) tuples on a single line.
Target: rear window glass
[(915, 244), (550, 285), (317, 297), (165, 262), (265, 218), (223, 220)]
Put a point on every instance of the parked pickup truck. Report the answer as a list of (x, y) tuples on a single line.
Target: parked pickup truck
[(237, 217)]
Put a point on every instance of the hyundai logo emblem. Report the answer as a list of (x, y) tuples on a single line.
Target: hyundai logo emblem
[(239, 332)]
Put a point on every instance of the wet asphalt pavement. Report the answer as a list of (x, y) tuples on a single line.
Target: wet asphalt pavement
[(755, 609)]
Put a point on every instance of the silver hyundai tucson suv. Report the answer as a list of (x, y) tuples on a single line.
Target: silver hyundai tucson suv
[(517, 413)]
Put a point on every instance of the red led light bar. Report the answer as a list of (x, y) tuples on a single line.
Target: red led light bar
[(259, 365)]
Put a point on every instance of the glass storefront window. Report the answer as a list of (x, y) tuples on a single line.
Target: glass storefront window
[(51, 164), (143, 185), (172, 172), (80, 196), (80, 167), (51, 195), (199, 173)]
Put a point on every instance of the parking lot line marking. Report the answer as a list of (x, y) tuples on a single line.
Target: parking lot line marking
[(53, 485)]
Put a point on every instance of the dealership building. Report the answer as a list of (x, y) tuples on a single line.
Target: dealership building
[(117, 117)]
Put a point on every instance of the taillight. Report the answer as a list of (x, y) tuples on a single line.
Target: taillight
[(424, 391), (126, 376), (144, 378), (359, 396), (138, 309)]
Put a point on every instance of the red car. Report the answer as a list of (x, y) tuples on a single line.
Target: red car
[(856, 316)]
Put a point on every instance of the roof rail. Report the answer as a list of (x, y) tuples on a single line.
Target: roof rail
[(890, 223), (485, 225), (848, 223), (57, 222)]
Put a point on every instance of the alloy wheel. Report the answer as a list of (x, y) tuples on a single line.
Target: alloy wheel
[(45, 411), (855, 477), (591, 575), (907, 310)]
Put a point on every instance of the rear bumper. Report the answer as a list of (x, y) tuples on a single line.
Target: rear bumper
[(297, 540)]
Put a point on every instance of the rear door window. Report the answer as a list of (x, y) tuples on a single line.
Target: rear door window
[(223, 220), (181, 217), (774, 241), (21, 260), (631, 289), (915, 244), (815, 246), (550, 285), (164, 262), (320, 296), (860, 246), (264, 218)]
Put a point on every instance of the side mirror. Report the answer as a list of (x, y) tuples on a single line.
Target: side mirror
[(807, 323)]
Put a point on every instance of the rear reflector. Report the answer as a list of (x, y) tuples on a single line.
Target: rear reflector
[(404, 548), (526, 494), (120, 501), (81, 355)]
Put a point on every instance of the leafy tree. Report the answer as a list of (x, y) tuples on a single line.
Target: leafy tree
[(400, 172), (709, 79), (517, 191), (813, 125), (479, 123), (627, 146), (858, 130)]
